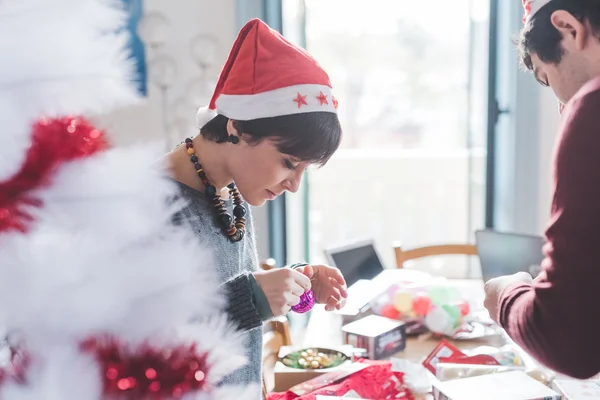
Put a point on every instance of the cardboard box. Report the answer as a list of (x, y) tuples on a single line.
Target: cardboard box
[(513, 385), (381, 337), (572, 389), (287, 377)]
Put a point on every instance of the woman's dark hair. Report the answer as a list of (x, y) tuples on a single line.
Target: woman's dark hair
[(540, 37), (311, 137)]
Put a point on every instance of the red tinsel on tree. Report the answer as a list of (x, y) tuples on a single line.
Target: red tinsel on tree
[(53, 142), (148, 372)]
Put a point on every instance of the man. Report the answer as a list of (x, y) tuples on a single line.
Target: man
[(555, 317)]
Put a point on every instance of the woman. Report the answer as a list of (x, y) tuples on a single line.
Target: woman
[(271, 116)]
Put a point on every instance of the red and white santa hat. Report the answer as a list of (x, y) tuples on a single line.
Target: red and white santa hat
[(531, 7), (267, 76)]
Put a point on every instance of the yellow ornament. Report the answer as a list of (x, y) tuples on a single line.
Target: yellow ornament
[(403, 302)]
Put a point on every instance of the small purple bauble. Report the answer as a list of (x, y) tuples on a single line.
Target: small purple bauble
[(307, 301)]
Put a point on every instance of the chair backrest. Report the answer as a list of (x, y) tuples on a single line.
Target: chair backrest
[(277, 334), (428, 251)]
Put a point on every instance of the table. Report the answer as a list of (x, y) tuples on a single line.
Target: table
[(324, 330)]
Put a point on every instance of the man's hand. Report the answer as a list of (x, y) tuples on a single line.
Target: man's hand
[(283, 288), (328, 284), (494, 288)]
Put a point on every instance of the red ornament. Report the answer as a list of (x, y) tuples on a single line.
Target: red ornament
[(322, 99), (464, 308), (53, 142), (146, 371), (421, 304), (389, 311), (301, 100)]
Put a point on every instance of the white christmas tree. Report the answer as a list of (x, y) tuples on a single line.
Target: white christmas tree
[(97, 287)]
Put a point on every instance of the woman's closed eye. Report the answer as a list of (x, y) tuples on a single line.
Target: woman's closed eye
[(290, 165)]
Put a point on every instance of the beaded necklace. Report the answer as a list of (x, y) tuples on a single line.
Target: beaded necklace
[(234, 230)]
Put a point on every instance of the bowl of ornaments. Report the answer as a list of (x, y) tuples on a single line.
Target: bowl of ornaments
[(316, 358)]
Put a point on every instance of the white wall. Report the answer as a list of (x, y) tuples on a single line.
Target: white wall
[(187, 18)]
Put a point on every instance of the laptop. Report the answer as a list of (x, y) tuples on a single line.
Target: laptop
[(359, 262), (356, 261), (505, 253)]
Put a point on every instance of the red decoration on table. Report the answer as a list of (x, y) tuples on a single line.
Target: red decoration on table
[(376, 381), (464, 307), (146, 371), (421, 304), (389, 311), (52, 144), (444, 349)]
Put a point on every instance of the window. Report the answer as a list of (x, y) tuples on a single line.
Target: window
[(411, 78)]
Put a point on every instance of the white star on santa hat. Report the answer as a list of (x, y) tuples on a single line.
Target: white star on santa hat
[(267, 76)]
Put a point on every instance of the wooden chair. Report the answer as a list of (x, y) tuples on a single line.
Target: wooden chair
[(277, 334), (429, 251)]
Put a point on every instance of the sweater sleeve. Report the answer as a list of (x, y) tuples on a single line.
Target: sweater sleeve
[(556, 318), (241, 308)]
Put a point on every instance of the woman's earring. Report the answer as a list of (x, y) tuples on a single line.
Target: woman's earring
[(234, 139)]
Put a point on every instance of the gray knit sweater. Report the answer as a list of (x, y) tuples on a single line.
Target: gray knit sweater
[(235, 263)]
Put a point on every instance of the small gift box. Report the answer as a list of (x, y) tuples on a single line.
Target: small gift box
[(381, 337)]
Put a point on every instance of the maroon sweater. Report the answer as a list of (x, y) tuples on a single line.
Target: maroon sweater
[(557, 319)]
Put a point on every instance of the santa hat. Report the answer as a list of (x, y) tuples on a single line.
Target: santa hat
[(531, 7), (267, 76)]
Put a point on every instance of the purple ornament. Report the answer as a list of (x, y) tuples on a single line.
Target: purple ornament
[(307, 301)]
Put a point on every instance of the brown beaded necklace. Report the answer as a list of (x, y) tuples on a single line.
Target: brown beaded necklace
[(234, 231)]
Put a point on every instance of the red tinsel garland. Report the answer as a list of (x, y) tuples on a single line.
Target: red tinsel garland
[(148, 372), (53, 142)]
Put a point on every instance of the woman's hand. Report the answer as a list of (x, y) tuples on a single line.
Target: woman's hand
[(283, 288), (328, 284)]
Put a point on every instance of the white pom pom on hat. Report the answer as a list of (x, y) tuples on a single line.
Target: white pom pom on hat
[(267, 76), (204, 115)]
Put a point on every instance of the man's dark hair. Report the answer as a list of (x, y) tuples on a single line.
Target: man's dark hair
[(311, 137), (540, 37)]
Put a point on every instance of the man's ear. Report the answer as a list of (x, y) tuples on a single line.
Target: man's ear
[(574, 32)]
